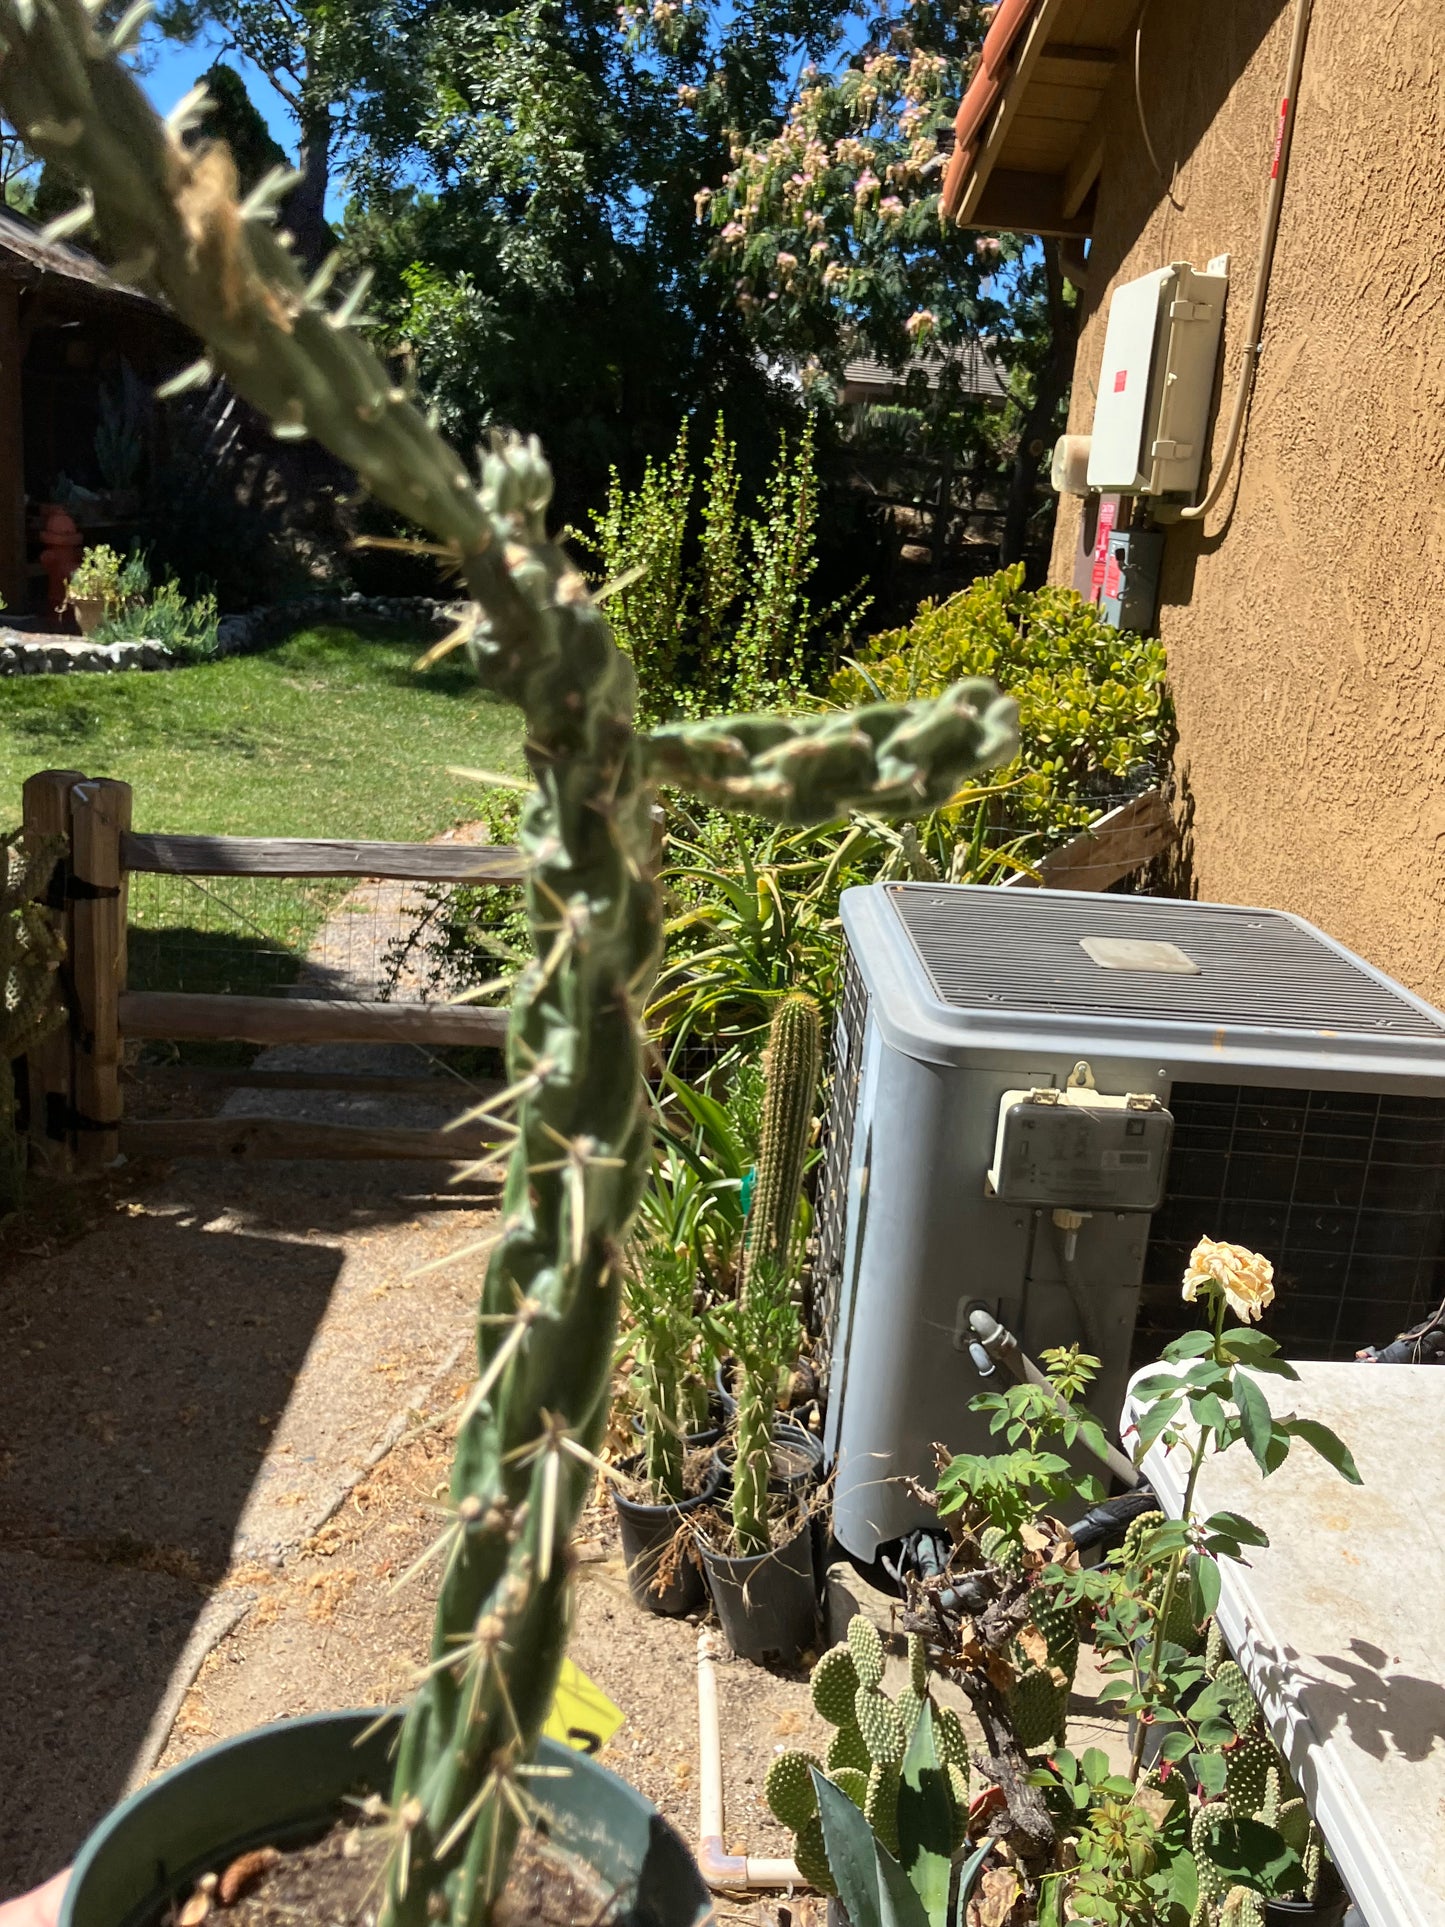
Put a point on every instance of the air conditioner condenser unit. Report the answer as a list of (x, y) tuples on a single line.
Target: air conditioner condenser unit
[(1043, 1099)]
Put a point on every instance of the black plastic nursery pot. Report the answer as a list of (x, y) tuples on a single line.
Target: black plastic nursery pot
[(283, 1785), (1328, 1911), (767, 1605), (664, 1571), (797, 1461), (709, 1434)]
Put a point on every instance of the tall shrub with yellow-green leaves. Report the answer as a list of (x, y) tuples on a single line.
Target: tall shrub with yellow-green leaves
[(579, 1126)]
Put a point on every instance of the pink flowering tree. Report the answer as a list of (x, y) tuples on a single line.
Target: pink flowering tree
[(826, 222)]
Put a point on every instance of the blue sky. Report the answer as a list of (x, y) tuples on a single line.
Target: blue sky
[(172, 71)]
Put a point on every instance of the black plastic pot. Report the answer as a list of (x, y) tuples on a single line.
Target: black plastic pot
[(648, 1535), (1328, 1911), (723, 1387), (709, 1434), (797, 1460), (768, 1604), (282, 1785)]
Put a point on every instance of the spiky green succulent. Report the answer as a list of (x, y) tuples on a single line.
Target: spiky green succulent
[(165, 209), (867, 1755)]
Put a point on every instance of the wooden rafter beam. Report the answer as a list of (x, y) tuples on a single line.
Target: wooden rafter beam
[(1029, 53)]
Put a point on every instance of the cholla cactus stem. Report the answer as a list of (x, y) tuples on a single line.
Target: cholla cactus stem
[(525, 1448)]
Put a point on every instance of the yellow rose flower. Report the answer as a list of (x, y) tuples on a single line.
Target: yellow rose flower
[(1246, 1279)]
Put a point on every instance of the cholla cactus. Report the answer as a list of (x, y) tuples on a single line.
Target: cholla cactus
[(549, 1303), (30, 953)]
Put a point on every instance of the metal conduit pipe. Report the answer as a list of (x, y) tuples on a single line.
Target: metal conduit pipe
[(724, 1872), (1255, 332), (1005, 1350)]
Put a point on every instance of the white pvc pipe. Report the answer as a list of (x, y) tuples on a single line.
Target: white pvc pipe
[(723, 1871)]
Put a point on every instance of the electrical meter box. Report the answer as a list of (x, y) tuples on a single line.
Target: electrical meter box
[(1161, 349), (1129, 591), (1082, 1150)]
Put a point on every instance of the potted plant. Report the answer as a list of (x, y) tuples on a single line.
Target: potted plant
[(93, 590), (766, 1593), (464, 1780), (675, 1474)]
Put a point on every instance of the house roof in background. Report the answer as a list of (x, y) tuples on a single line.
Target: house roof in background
[(980, 373), (26, 256), (1030, 131)]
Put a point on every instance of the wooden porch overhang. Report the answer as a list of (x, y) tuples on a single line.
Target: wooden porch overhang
[(1030, 132)]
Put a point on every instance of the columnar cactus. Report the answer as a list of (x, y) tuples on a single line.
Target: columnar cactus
[(764, 1325), (790, 1086), (549, 1304)]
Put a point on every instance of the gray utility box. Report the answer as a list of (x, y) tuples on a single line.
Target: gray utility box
[(1290, 1098), (1129, 594)]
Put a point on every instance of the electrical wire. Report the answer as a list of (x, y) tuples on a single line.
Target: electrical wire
[(1173, 176), (1288, 108)]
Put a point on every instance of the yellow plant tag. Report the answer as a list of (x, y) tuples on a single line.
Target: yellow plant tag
[(582, 1716)]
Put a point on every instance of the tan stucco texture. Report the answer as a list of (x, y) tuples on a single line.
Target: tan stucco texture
[(1305, 625)]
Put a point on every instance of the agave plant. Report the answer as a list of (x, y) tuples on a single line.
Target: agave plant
[(575, 1103)]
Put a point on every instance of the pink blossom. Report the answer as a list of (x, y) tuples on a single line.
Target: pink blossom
[(920, 323), (786, 262), (890, 207), (867, 183), (734, 231)]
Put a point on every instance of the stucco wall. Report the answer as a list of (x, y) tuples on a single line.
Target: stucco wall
[(1305, 626)]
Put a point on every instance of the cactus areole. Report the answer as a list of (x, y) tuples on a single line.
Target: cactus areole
[(167, 216)]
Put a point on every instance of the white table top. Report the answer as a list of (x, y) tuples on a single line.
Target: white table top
[(1339, 1623)]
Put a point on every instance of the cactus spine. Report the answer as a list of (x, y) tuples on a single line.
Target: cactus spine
[(168, 216), (790, 1084)]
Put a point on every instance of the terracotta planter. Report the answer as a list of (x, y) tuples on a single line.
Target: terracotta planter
[(89, 612)]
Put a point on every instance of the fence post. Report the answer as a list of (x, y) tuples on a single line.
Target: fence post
[(45, 814), (99, 814)]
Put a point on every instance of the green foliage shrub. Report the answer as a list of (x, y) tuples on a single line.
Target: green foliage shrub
[(712, 602), (187, 626), (1093, 704)]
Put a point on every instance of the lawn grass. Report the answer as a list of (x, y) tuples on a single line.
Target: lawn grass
[(327, 735)]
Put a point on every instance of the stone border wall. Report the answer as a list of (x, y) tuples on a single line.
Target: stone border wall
[(36, 655)]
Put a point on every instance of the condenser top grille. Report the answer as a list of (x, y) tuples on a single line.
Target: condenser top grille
[(1022, 950)]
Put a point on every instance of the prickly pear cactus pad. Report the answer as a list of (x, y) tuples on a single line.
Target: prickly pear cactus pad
[(167, 215)]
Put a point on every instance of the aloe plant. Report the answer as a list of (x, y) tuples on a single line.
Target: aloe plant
[(574, 1102)]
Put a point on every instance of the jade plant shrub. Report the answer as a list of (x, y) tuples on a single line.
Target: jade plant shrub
[(525, 1454), (1094, 710)]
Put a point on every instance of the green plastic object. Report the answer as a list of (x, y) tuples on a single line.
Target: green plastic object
[(283, 1783)]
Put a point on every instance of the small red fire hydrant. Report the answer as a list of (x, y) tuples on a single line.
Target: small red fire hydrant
[(61, 547)]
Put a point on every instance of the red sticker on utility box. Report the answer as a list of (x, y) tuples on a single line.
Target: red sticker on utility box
[(1121, 381)]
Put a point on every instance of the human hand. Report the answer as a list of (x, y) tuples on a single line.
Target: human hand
[(40, 1908)]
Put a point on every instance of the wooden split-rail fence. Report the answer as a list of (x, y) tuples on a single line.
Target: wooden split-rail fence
[(74, 1077)]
